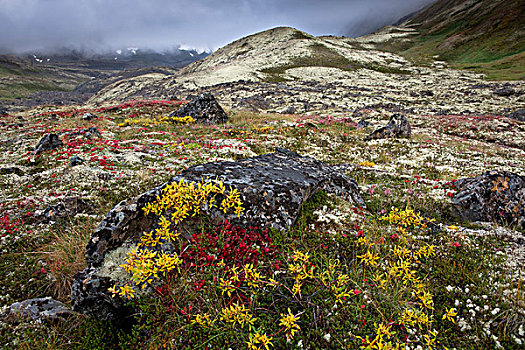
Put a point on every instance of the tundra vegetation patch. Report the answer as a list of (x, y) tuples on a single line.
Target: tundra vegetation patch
[(401, 272)]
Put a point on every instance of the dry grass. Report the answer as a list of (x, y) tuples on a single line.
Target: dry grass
[(64, 257)]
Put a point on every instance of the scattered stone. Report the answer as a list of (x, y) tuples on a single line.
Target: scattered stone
[(88, 133), (43, 309), (68, 207), (398, 126), (273, 188), (363, 123), (254, 103), (289, 110), (204, 109), (518, 115), (494, 196), (75, 160), (48, 142), (88, 116), (505, 91), (11, 170), (3, 111)]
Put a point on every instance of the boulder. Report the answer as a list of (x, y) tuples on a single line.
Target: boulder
[(67, 207), (363, 123), (494, 196), (273, 188), (518, 115), (87, 133), (398, 126), (504, 91), (48, 142), (11, 170), (204, 109), (88, 116), (75, 160), (43, 309)]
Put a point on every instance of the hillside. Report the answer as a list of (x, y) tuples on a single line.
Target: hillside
[(20, 78), (277, 55), (286, 70), (69, 76), (484, 35)]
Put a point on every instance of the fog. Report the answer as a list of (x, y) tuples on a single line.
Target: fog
[(164, 24)]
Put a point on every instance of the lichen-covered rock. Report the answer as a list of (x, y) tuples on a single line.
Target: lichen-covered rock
[(90, 296), (273, 188), (494, 196), (42, 309), (398, 126), (67, 207), (204, 109), (48, 142)]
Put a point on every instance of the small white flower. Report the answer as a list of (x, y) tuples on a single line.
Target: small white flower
[(327, 337), (495, 311)]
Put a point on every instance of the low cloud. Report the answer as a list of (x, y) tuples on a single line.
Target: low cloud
[(164, 24)]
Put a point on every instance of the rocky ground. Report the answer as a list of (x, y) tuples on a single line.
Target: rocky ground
[(469, 287)]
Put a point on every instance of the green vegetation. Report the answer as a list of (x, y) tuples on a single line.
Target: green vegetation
[(403, 270), (20, 80), (488, 38)]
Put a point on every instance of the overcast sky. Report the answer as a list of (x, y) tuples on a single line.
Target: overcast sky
[(164, 24)]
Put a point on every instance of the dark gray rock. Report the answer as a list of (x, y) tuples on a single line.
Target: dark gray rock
[(88, 133), (11, 170), (273, 188), (254, 103), (363, 123), (518, 115), (204, 109), (48, 142), (88, 116), (75, 160), (68, 207), (504, 91), (43, 309), (289, 110), (398, 126), (497, 196), (90, 296), (3, 111)]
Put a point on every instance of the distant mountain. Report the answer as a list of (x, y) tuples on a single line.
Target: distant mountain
[(118, 59), (72, 76), (488, 35)]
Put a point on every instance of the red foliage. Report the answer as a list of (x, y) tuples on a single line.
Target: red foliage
[(234, 245)]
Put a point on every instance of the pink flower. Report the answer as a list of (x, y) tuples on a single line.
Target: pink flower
[(456, 244), (387, 192)]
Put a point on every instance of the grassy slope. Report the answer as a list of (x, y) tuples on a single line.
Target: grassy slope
[(487, 36)]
